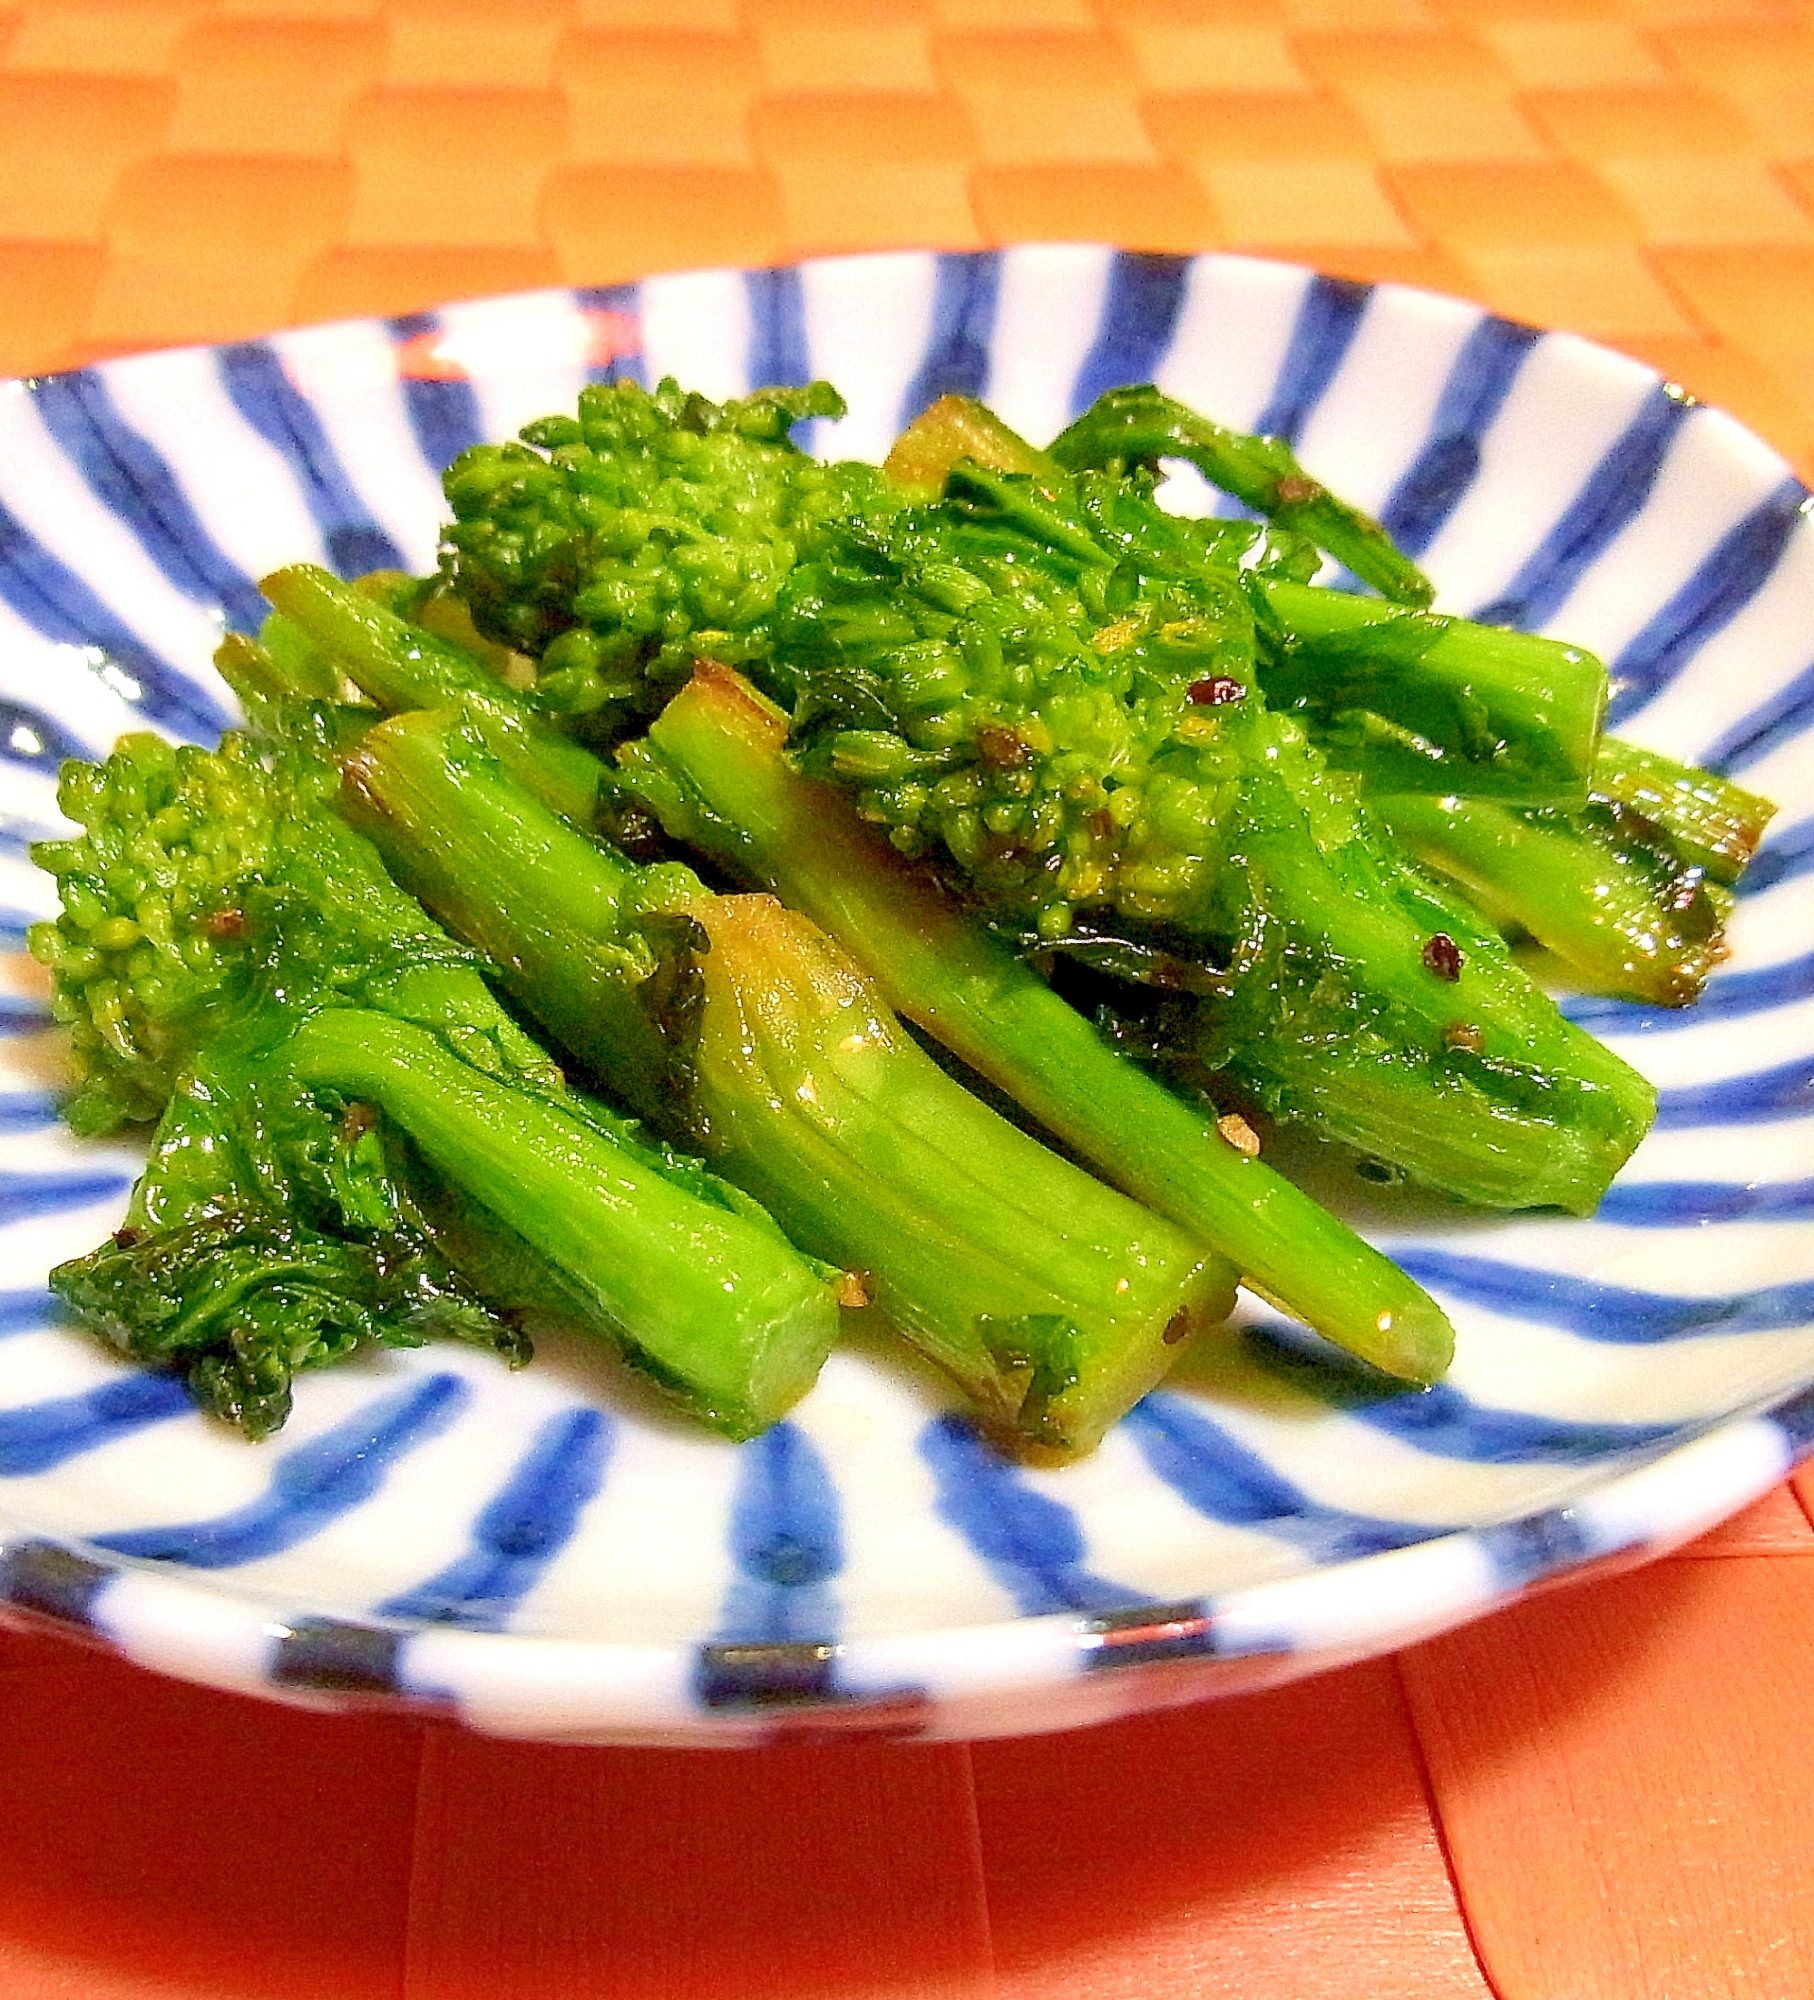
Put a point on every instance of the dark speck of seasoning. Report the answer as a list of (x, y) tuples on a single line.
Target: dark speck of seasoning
[(1463, 1035), (226, 925), (1211, 693), (1176, 1329), (1442, 956), (355, 1121), (125, 1238), (1003, 747), (1294, 490)]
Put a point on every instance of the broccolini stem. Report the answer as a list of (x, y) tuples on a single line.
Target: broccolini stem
[(1707, 820), (502, 872), (401, 666), (1422, 703), (1142, 426), (1052, 1299), (1439, 996), (1614, 910), (736, 798), (713, 1302)]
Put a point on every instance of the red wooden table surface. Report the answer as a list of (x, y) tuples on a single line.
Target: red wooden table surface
[(1603, 1794)]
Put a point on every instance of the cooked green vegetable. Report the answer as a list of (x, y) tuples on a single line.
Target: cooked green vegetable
[(720, 744), (1631, 890), (712, 769), (1134, 429), (1143, 750), (1417, 702), (1052, 1299), (1051, 689), (618, 545), (348, 1120)]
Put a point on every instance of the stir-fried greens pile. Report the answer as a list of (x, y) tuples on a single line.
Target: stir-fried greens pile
[(1150, 838)]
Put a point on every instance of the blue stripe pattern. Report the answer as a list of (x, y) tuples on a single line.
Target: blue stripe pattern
[(519, 1532), (1683, 1204), (1725, 582), (778, 355), (311, 1487), (1444, 1421), (28, 1197), (443, 409), (133, 478), (627, 301), (1785, 1091), (966, 292), (1614, 1314), (27, 1111), (787, 1541), (59, 605), (21, 1017), (1536, 1546), (1728, 996), (1442, 472), (261, 391), (1224, 1481), (42, 1436), (1327, 321), (1614, 492), (1145, 294), (1031, 1544), (25, 1311), (14, 923), (37, 741), (1767, 727), (1795, 1419), (1783, 857)]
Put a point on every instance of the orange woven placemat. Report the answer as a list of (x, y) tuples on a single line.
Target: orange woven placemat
[(1638, 170)]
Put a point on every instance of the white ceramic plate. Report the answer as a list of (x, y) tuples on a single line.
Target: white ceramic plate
[(547, 1559)]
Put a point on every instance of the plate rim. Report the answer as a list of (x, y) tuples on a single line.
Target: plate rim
[(1085, 1666)]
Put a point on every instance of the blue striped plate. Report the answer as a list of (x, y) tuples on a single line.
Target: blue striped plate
[(540, 1555)]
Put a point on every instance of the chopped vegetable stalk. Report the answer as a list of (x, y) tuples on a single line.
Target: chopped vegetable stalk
[(1138, 427), (1706, 821), (402, 666), (1418, 702), (1055, 1302), (1617, 909), (282, 1222), (712, 769), (718, 1306), (1631, 891), (1359, 968), (1052, 1299)]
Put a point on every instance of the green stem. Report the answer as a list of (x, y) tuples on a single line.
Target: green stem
[(1053, 1299), (1422, 703), (715, 1303), (956, 428), (1140, 425), (1710, 822), (500, 870), (737, 798), (401, 666), (1622, 918)]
